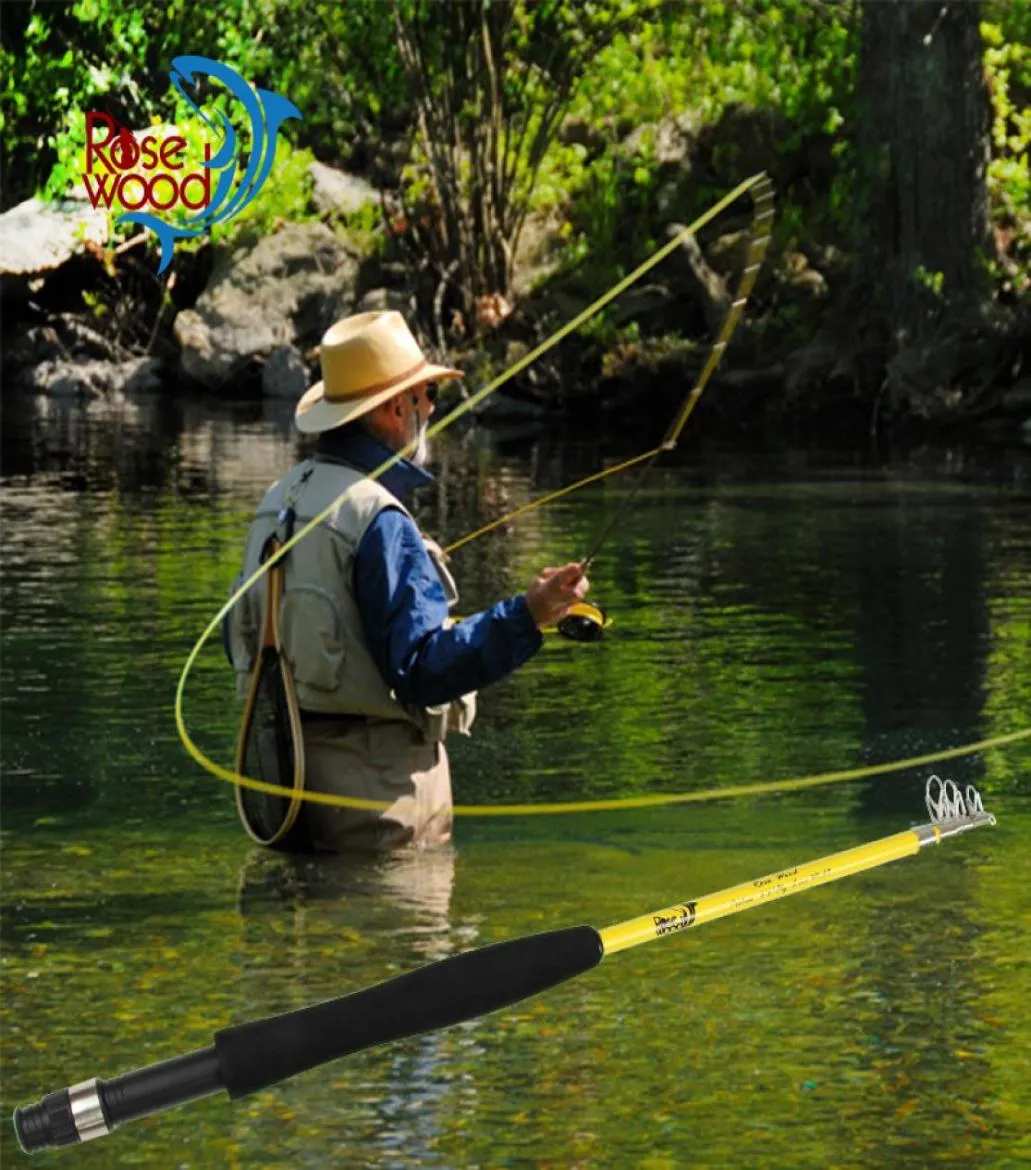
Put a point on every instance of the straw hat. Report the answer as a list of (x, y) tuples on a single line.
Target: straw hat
[(365, 359)]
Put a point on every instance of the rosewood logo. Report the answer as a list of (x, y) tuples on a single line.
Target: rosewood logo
[(122, 170), (146, 173)]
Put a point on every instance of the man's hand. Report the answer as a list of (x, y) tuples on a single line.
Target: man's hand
[(554, 591)]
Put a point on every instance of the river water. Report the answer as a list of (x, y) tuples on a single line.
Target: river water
[(776, 614)]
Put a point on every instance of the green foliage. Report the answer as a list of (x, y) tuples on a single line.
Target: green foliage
[(690, 64), (1008, 73), (621, 72), (364, 228), (931, 282), (490, 83), (95, 303), (335, 62), (287, 199)]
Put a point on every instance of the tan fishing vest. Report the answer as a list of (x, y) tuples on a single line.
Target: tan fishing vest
[(322, 636)]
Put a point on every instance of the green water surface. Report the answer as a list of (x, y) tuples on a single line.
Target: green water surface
[(775, 615)]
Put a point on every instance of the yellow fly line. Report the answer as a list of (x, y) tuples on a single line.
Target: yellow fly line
[(619, 803), (555, 495), (759, 180), (232, 777), (762, 220)]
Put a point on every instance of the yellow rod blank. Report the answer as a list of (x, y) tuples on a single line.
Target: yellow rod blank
[(747, 895)]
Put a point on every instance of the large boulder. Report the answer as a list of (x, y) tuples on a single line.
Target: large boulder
[(285, 290), (36, 236), (86, 378), (284, 374), (338, 192)]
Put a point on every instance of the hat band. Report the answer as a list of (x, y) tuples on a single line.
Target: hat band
[(377, 387)]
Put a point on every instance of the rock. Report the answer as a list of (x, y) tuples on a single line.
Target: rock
[(30, 347), (139, 376), (810, 282), (379, 299), (59, 378), (64, 378), (83, 340), (285, 290), (671, 141), (337, 191), (284, 374), (36, 236), (538, 253)]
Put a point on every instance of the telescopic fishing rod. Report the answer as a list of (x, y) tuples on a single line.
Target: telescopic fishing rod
[(259, 1054)]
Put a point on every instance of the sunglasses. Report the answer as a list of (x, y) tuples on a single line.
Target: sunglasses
[(430, 389)]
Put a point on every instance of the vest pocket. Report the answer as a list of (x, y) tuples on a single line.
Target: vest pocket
[(312, 636)]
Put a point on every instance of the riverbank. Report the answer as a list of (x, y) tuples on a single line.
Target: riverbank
[(85, 316)]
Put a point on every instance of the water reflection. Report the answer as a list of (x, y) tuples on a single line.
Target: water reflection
[(403, 903), (407, 893), (775, 614)]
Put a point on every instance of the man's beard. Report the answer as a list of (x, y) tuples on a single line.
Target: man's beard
[(421, 454)]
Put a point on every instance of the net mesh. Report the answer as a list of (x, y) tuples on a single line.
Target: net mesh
[(267, 752)]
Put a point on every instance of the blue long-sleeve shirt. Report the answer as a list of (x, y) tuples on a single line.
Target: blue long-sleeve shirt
[(401, 599), (402, 606)]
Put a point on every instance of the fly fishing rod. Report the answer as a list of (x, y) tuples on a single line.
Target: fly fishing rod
[(256, 1055), (584, 624), (587, 621), (762, 195)]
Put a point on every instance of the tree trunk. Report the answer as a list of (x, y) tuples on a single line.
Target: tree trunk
[(922, 140)]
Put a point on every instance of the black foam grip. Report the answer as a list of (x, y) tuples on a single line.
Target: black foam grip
[(256, 1055)]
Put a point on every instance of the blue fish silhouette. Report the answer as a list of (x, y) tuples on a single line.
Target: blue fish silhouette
[(266, 110)]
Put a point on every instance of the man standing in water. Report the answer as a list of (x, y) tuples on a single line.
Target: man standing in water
[(382, 674)]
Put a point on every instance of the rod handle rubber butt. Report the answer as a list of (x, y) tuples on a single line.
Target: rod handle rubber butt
[(255, 1055), (93, 1108), (47, 1123)]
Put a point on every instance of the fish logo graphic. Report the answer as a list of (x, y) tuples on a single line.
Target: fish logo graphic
[(266, 112)]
